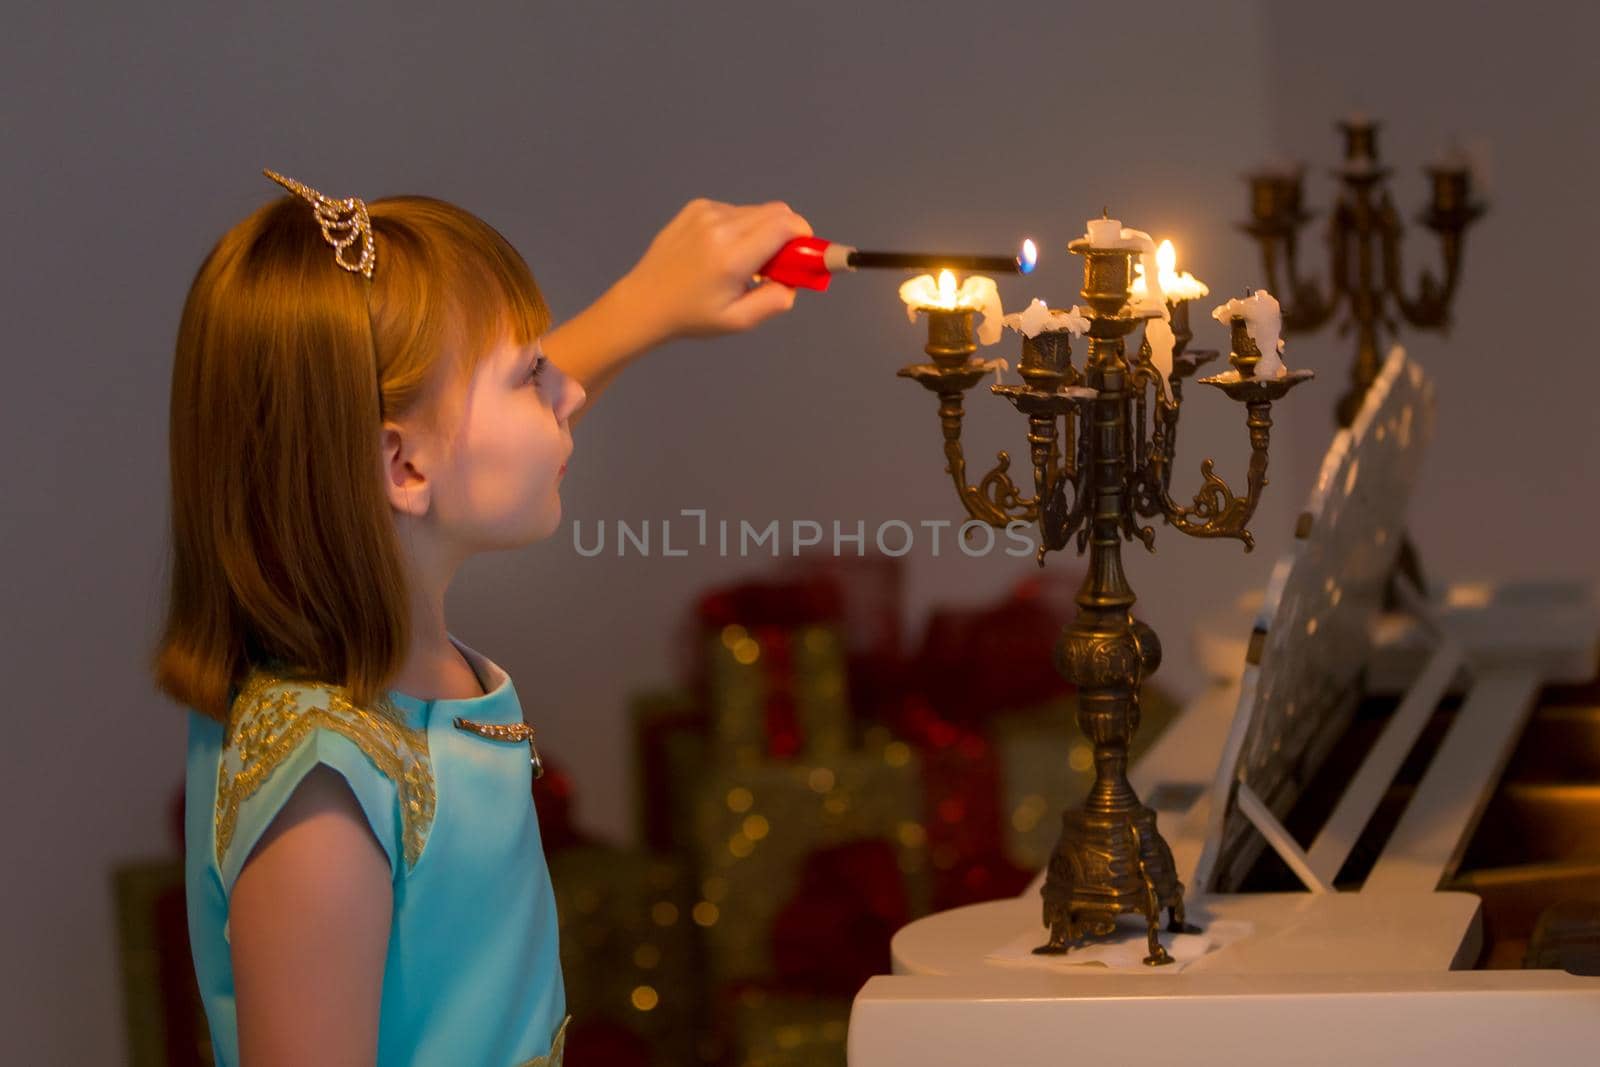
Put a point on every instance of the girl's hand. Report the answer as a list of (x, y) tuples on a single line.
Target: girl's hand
[(695, 278)]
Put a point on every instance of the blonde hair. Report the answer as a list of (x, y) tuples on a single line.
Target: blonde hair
[(283, 547)]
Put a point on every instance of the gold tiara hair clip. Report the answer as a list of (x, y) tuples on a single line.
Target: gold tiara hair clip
[(342, 222)]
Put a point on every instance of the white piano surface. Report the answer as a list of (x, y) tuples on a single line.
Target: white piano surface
[(1332, 977)]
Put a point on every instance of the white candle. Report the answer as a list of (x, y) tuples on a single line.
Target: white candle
[(1159, 333), (1151, 298), (1104, 233), (977, 293), (1037, 318), (1263, 321)]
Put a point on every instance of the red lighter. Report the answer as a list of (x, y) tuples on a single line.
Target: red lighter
[(807, 263)]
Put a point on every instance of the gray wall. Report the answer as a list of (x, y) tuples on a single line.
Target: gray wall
[(133, 142), (1508, 488)]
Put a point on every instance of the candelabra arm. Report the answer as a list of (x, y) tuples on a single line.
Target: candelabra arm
[(1307, 308), (995, 499), (1059, 520), (1217, 511), (1304, 306), (1431, 307), (1151, 454)]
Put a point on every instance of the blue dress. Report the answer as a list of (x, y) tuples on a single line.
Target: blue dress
[(473, 973)]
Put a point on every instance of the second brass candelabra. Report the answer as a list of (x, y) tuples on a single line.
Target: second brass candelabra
[(1102, 441), (1364, 232)]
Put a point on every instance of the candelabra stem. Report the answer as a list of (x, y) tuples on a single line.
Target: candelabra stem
[(1363, 372), (1367, 299), (1110, 858)]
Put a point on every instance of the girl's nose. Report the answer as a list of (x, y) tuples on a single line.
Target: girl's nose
[(572, 398)]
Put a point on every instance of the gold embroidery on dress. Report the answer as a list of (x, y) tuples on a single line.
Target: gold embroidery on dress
[(268, 723), (553, 1058)]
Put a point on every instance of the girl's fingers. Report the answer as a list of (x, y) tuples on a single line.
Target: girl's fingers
[(762, 232), (758, 305)]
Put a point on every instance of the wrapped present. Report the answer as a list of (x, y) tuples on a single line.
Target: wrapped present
[(962, 807), (628, 955), (773, 671), (976, 667), (669, 754), (1045, 766), (869, 591), (799, 601), (165, 1017), (833, 933), (757, 824), (779, 1028), (777, 692), (975, 663), (872, 596), (553, 804)]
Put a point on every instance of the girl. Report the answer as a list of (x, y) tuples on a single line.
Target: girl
[(363, 397)]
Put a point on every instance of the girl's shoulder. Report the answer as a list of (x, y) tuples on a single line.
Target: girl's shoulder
[(280, 727)]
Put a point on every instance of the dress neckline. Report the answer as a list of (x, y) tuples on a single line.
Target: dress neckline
[(497, 704)]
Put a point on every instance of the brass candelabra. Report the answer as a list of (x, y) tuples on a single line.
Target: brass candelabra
[(1364, 234), (1102, 458)]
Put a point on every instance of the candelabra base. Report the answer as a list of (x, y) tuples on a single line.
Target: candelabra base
[(1106, 864)]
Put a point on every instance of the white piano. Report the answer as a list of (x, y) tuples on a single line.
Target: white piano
[(1382, 820)]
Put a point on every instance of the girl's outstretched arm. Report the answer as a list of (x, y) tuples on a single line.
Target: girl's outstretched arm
[(694, 280), (308, 922)]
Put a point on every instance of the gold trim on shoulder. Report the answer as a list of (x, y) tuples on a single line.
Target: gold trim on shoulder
[(271, 717), (553, 1057), (515, 732)]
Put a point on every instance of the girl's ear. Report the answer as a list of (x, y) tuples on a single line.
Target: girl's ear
[(409, 490)]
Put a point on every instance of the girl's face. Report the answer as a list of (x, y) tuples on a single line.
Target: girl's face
[(496, 483)]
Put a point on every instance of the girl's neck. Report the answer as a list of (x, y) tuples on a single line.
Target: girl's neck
[(434, 668), (437, 673)]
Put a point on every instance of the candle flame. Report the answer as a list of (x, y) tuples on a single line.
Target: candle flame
[(947, 288), (1167, 260), (1174, 286)]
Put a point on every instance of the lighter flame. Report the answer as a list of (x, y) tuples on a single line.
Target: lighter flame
[(1030, 256), (1174, 286)]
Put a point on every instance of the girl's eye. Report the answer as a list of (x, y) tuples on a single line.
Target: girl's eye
[(538, 369)]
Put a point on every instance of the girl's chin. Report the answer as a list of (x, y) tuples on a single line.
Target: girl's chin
[(525, 534), (548, 523)]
